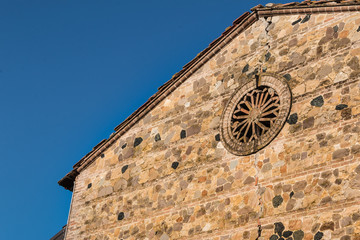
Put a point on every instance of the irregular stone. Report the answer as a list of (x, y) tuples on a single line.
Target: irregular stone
[(355, 149), (89, 185), (121, 216), (175, 165), (293, 118), (327, 226), (129, 152), (274, 237), (298, 235), (326, 200), (105, 191), (124, 145), (346, 114), (290, 205), (279, 228), (246, 68), (164, 236), (299, 186), (157, 137), (340, 153), (308, 123), (287, 234), (296, 22), (249, 180), (357, 169), (124, 168), (177, 227), (267, 56), (195, 129), (267, 167), (346, 221), (306, 18), (326, 174), (324, 183), (318, 101), (217, 137), (299, 195), (183, 134), (341, 106), (287, 76), (137, 141), (354, 63), (277, 201), (120, 185), (324, 71), (355, 217), (318, 236)]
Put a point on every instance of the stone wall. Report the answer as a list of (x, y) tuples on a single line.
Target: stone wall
[(169, 176)]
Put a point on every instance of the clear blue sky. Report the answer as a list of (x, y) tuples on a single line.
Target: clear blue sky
[(70, 71)]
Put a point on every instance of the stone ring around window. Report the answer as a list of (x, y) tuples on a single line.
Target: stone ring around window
[(255, 114)]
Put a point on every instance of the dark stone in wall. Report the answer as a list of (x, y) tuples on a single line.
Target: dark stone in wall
[(137, 141), (287, 234), (297, 21), (306, 18), (174, 165), (124, 146), (318, 236), (291, 194), (267, 56), (279, 228), (341, 106), (102, 155), (287, 76), (274, 237), (124, 168), (89, 185), (183, 134), (277, 201), (121, 216), (358, 30), (157, 137), (298, 235), (293, 118), (318, 101), (246, 68), (217, 137)]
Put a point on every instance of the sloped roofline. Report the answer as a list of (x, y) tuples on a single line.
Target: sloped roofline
[(239, 25)]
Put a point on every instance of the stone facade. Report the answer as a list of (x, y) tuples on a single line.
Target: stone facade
[(170, 177)]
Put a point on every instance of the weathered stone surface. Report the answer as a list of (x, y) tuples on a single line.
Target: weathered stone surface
[(308, 177)]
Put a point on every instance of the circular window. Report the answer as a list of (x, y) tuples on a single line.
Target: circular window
[(255, 114)]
